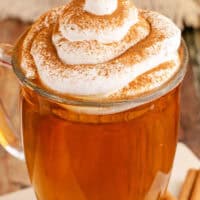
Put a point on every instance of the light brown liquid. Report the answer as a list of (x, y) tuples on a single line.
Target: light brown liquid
[(124, 156)]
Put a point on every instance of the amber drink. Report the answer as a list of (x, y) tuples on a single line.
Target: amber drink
[(100, 101), (128, 155)]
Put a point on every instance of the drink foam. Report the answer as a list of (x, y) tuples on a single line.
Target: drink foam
[(101, 50)]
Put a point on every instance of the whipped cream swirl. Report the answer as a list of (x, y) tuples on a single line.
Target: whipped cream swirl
[(98, 48)]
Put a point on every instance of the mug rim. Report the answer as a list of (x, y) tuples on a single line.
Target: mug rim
[(135, 101)]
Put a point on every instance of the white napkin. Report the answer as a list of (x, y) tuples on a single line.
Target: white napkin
[(184, 160)]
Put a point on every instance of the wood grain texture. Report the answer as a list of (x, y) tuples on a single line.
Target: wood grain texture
[(13, 175), (193, 40), (190, 118)]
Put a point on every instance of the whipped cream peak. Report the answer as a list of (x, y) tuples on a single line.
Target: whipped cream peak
[(100, 7), (77, 25), (73, 51)]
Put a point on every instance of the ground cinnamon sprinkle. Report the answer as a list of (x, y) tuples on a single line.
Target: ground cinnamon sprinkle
[(84, 20), (147, 81), (144, 39)]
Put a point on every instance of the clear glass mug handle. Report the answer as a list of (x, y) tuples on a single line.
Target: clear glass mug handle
[(10, 137)]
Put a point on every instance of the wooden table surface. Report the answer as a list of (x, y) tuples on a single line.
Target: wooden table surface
[(13, 174)]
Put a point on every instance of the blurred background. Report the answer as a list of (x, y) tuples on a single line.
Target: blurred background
[(16, 16)]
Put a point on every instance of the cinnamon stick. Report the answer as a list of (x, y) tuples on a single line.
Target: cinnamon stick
[(196, 190), (188, 185), (168, 196)]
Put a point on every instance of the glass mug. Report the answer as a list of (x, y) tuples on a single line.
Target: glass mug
[(72, 155)]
